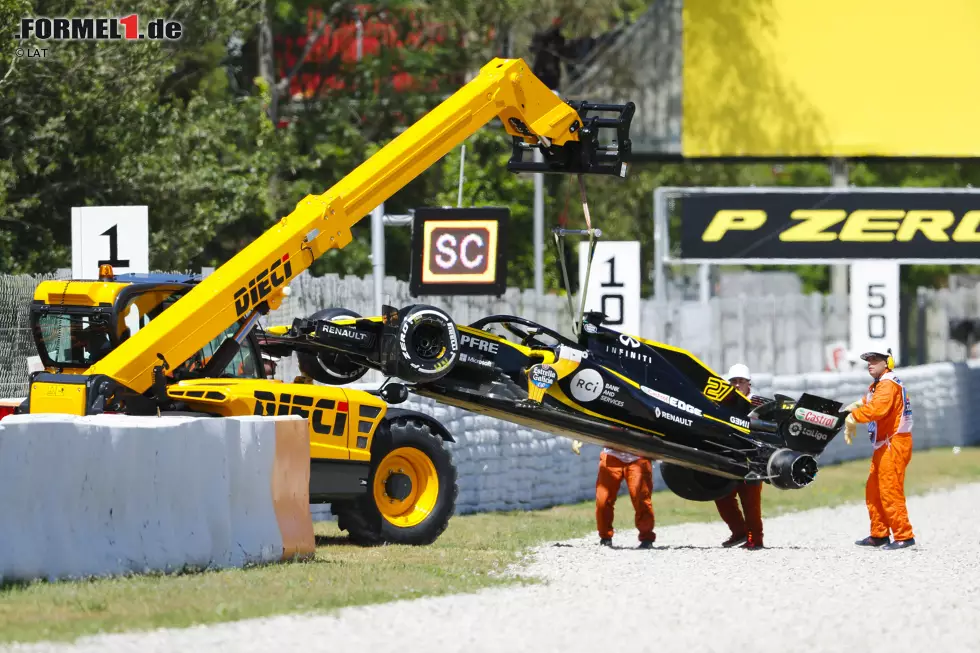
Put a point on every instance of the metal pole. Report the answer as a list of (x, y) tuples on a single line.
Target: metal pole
[(838, 273), (538, 227), (704, 282), (659, 241), (920, 326), (360, 37), (462, 158), (378, 255)]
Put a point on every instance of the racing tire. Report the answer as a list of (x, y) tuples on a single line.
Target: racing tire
[(412, 488), (695, 485), (426, 345), (331, 368)]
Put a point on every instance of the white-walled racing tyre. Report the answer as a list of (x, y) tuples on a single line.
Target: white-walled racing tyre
[(426, 344)]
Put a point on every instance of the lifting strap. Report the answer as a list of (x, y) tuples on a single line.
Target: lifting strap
[(593, 234)]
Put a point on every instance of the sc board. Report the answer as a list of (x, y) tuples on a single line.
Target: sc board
[(459, 251)]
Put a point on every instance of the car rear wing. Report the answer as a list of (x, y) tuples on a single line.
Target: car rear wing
[(807, 425)]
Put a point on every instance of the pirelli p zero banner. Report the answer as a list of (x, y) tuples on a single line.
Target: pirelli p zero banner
[(804, 225)]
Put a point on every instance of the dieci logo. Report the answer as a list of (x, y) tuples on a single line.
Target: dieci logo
[(262, 285)]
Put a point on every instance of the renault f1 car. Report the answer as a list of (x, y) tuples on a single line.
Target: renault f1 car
[(605, 387)]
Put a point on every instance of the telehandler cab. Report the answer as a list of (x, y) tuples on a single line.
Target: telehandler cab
[(144, 344)]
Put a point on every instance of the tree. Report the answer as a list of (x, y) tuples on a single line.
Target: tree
[(488, 182), (190, 127), (209, 133), (133, 123)]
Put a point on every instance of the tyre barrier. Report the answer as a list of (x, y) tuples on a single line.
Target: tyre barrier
[(115, 495)]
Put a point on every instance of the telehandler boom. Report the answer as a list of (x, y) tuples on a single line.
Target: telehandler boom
[(252, 282)]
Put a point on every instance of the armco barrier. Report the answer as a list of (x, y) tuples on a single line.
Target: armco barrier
[(113, 494)]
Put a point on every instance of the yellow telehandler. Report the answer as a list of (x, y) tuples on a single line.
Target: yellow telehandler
[(149, 344)]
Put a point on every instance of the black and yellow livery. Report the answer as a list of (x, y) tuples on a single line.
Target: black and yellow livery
[(604, 387)]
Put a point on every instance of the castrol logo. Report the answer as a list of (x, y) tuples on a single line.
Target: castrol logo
[(813, 417)]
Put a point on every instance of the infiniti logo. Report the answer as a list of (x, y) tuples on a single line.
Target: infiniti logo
[(628, 341)]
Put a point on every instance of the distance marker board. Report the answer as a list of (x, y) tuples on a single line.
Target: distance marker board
[(117, 235)]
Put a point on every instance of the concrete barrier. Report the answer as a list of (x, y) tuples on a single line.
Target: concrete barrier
[(113, 494), (8, 406)]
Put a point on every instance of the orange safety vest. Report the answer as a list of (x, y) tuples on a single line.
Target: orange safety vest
[(887, 410)]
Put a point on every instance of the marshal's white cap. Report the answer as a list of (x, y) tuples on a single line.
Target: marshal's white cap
[(739, 371)]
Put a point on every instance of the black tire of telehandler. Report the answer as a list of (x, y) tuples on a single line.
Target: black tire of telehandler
[(363, 519), (695, 485), (330, 368)]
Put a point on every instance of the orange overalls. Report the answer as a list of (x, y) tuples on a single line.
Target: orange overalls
[(749, 526), (614, 466), (888, 412)]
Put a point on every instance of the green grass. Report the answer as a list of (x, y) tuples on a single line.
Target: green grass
[(463, 560)]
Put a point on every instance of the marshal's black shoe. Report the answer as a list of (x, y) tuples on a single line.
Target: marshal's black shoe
[(645, 545), (899, 544), (605, 542), (873, 541), (733, 540)]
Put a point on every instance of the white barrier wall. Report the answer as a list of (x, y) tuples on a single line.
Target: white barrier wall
[(113, 494)]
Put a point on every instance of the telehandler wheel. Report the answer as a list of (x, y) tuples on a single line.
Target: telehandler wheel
[(328, 367), (412, 488), (695, 485)]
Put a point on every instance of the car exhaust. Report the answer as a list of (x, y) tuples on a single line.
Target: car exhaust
[(791, 470)]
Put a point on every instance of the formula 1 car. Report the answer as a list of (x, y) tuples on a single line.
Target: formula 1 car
[(606, 387)]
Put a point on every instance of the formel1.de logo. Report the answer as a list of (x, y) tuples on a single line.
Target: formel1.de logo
[(121, 28)]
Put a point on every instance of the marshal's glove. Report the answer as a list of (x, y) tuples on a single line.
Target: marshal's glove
[(854, 406), (850, 427), (577, 447)]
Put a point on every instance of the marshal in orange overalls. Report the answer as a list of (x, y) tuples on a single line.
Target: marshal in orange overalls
[(747, 528), (615, 467), (888, 412)]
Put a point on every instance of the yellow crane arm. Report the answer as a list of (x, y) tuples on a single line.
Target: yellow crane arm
[(252, 281)]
